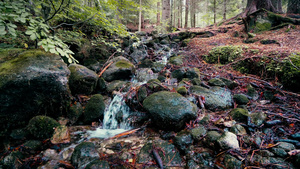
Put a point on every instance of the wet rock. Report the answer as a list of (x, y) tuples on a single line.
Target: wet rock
[(50, 154), (296, 136), (258, 118), (182, 90), (196, 81), (286, 146), (96, 164), (191, 164), (82, 80), (139, 53), (232, 163), (239, 114), (228, 140), (74, 112), (121, 69), (145, 74), (94, 109), (211, 139), (198, 132), (183, 140), (19, 134), (50, 164), (252, 92), (42, 127), (118, 85), (157, 67), (192, 73), (238, 130), (166, 151), (216, 82), (146, 63), (215, 98), (273, 123), (83, 154), (169, 110), (61, 135), (178, 74), (12, 161), (279, 152), (32, 82), (101, 85), (201, 160), (230, 84), (240, 99)]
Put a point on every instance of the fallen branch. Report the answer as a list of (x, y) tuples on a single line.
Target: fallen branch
[(100, 74), (277, 114), (243, 77)]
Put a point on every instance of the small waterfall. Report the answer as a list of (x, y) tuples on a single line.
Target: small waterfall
[(117, 112), (115, 119)]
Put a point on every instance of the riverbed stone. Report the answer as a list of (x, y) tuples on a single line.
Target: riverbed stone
[(83, 154), (168, 153), (75, 111), (228, 140), (258, 118), (216, 82), (42, 127), (170, 111), (183, 140), (239, 114), (286, 146), (232, 163), (94, 109), (32, 82), (238, 130), (120, 69), (198, 133), (279, 152), (82, 80), (215, 98), (240, 99), (98, 164), (211, 139)]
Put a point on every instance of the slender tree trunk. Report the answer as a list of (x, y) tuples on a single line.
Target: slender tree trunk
[(158, 14), (215, 11), (225, 9), (166, 12), (140, 17), (186, 13), (294, 6), (179, 14), (277, 5)]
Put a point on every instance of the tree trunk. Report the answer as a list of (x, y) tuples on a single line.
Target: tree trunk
[(166, 12), (294, 6), (140, 17), (172, 16), (186, 13), (254, 5), (225, 9), (277, 5), (158, 14), (179, 14), (215, 11)]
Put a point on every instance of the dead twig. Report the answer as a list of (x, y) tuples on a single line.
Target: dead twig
[(100, 74)]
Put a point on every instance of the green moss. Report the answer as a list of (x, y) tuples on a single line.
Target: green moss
[(239, 114), (182, 90), (42, 127), (177, 60), (291, 72), (224, 54), (94, 109), (263, 26), (124, 64)]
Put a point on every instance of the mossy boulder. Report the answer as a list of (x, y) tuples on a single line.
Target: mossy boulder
[(32, 82), (182, 90), (224, 54), (83, 154), (215, 98), (121, 69), (117, 85), (198, 133), (258, 118), (239, 114), (42, 127), (82, 80), (216, 82), (94, 109), (232, 162), (170, 111), (240, 99), (291, 73), (183, 140)]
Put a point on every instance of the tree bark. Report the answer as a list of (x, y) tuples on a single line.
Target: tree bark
[(166, 12), (294, 7), (140, 17), (225, 9), (186, 13), (179, 14), (215, 11), (254, 5), (158, 14)]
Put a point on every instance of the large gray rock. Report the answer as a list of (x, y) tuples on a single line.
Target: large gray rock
[(32, 82), (82, 80), (228, 140), (215, 98), (169, 110), (120, 69)]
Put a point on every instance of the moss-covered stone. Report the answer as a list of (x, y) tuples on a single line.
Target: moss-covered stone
[(182, 90), (74, 112), (224, 54), (196, 81), (239, 114), (230, 84), (42, 127), (178, 74), (216, 82), (258, 118), (183, 140), (240, 99), (268, 41), (211, 139), (147, 63), (185, 42), (124, 64), (198, 133), (94, 109), (83, 154), (232, 163), (177, 60), (192, 73), (118, 85), (291, 73)]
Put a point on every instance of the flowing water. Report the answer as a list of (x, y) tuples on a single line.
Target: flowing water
[(115, 119)]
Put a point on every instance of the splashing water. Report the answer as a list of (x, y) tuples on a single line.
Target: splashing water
[(115, 119)]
